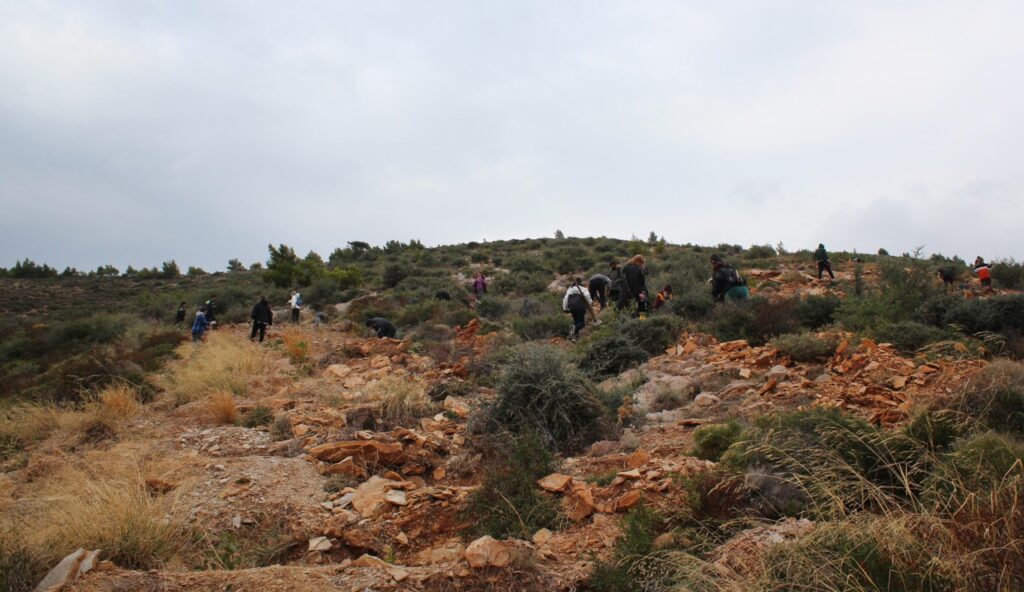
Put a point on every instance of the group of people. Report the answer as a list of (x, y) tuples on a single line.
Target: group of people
[(626, 287)]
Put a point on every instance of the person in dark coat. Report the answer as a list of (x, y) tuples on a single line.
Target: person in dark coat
[(383, 327), (617, 283), (262, 317), (821, 258), (635, 284), (726, 282), (179, 317), (598, 289), (211, 311)]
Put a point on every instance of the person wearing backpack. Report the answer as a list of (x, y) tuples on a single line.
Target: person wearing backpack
[(296, 304), (984, 271), (382, 327), (821, 258), (479, 286), (262, 317), (617, 283), (726, 282), (577, 302)]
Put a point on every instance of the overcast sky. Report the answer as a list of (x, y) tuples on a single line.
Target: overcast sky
[(139, 131)]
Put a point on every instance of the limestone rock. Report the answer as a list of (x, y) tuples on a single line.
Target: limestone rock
[(68, 570), (370, 499), (320, 543), (555, 482), (489, 552)]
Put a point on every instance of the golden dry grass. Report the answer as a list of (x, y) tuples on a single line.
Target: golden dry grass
[(221, 409), (119, 401), (226, 362), (400, 400)]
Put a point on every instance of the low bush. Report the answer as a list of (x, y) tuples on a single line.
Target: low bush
[(539, 390), (609, 355), (542, 327), (814, 312), (692, 306), (908, 336), (712, 440), (634, 564), (493, 307), (259, 415), (281, 429), (804, 347), (756, 320), (508, 502), (996, 397)]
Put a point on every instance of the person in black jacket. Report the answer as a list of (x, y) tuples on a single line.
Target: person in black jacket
[(262, 317), (617, 283), (598, 287), (179, 317), (635, 284), (383, 327), (726, 282)]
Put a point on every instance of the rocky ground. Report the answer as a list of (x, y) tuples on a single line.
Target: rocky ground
[(355, 503)]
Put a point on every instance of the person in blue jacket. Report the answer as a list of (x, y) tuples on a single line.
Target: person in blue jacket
[(200, 325)]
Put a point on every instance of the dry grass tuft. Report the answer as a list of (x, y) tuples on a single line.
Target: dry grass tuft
[(221, 408), (401, 400), (225, 363), (119, 401), (295, 345)]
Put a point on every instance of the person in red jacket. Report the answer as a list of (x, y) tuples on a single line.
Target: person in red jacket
[(984, 271)]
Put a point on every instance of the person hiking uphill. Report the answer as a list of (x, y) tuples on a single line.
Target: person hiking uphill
[(295, 302), (635, 287), (479, 286), (211, 311), (984, 271), (200, 325), (726, 282), (262, 317), (382, 326), (577, 302), (597, 286), (821, 257), (617, 283), (179, 317)]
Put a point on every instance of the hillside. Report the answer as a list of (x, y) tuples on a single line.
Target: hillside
[(858, 434)]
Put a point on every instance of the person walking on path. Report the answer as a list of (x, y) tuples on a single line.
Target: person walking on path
[(617, 283), (577, 302), (262, 317), (295, 302), (821, 257), (479, 286), (984, 271), (663, 297), (598, 288), (726, 282), (179, 317), (635, 285), (382, 326), (200, 325), (211, 311)]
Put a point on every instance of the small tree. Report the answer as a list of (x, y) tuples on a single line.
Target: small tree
[(235, 265), (559, 234), (194, 271), (170, 270)]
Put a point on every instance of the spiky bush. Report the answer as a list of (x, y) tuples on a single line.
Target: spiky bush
[(804, 347), (539, 390)]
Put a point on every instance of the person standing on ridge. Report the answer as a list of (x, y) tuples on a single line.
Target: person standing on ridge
[(479, 286), (179, 317), (821, 257), (262, 317), (984, 271), (211, 311), (635, 284), (295, 302), (598, 288), (200, 325), (726, 282), (577, 302)]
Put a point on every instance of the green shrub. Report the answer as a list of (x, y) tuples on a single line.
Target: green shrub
[(653, 335), (633, 565), (757, 320), (538, 390), (542, 327), (936, 430), (692, 306), (1008, 273), (908, 336), (814, 312), (996, 397), (258, 416), (804, 347), (984, 460), (508, 501), (609, 355), (712, 440), (493, 307)]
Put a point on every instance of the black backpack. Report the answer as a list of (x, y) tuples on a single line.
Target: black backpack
[(734, 277), (576, 301)]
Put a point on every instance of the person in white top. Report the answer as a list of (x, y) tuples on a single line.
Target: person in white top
[(577, 302), (296, 303)]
